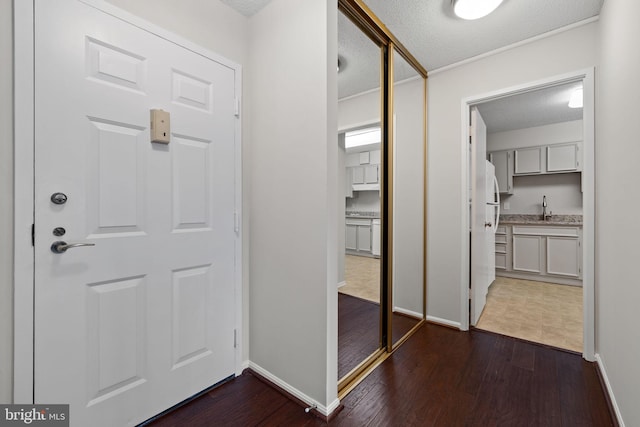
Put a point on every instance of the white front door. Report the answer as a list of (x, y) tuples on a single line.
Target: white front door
[(145, 318), (479, 232)]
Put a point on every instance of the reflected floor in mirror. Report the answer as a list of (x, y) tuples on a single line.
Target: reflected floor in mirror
[(546, 313), (359, 332), (362, 277)]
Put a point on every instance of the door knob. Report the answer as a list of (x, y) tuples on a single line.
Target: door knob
[(488, 225), (61, 247)]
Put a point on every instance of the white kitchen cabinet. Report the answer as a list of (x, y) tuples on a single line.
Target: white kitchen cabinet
[(563, 158), (563, 256), (375, 157), (370, 174), (501, 248), (351, 238), (527, 161), (365, 158), (527, 253), (358, 235), (357, 175), (364, 238), (502, 160), (551, 253)]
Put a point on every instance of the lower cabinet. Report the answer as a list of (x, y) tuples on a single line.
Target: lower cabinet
[(563, 256), (526, 253), (539, 251), (351, 238), (358, 235)]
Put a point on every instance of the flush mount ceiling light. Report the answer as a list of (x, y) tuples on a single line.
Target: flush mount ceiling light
[(474, 9), (576, 99)]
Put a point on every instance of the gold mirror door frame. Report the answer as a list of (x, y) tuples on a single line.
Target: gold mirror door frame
[(371, 26)]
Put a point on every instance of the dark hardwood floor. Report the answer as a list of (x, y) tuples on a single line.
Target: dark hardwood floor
[(359, 330), (439, 377)]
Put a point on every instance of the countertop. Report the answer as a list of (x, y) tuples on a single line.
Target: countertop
[(518, 219), (362, 214)]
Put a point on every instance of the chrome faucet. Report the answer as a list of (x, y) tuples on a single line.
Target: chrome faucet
[(545, 215)]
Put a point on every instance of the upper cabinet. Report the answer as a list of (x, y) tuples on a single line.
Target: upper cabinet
[(363, 170), (502, 160), (528, 160), (563, 158), (540, 160), (545, 159)]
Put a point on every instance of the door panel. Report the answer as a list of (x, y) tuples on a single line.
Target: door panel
[(480, 274), (143, 319)]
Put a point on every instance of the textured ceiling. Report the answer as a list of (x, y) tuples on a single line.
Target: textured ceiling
[(437, 38), (246, 7), (536, 108)]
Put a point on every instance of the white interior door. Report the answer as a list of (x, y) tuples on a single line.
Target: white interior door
[(145, 318), (479, 232)]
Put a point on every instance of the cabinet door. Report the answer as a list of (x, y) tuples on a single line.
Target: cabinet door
[(504, 171), (371, 174), (528, 160), (526, 253), (357, 175), (351, 237), (562, 158), (364, 238), (563, 256)]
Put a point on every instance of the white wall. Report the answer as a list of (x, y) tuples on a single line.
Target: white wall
[(364, 201), (293, 47), (556, 133), (6, 207), (210, 24), (563, 191), (618, 204), (561, 53)]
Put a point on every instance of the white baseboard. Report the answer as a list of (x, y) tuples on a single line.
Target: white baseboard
[(243, 365), (324, 410), (444, 322), (409, 313), (607, 384), (341, 284)]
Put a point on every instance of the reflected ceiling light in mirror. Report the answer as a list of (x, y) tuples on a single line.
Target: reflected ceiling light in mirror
[(361, 137), (576, 99), (474, 9)]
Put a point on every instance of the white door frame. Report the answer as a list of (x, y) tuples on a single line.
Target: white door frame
[(588, 200), (23, 13)]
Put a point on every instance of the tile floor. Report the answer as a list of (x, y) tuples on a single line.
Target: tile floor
[(362, 277), (536, 311)]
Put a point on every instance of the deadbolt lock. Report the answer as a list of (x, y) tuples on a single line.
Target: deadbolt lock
[(59, 198)]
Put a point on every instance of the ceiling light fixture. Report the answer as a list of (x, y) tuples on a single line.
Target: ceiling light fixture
[(576, 99), (474, 9)]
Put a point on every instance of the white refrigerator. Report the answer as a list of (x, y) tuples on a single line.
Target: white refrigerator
[(492, 219)]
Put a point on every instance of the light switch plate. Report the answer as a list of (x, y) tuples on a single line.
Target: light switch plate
[(507, 206), (160, 126)]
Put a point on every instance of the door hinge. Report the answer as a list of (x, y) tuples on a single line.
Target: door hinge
[(33, 234), (236, 222), (235, 338), (236, 108)]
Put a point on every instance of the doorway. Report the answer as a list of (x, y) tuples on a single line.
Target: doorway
[(543, 249)]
